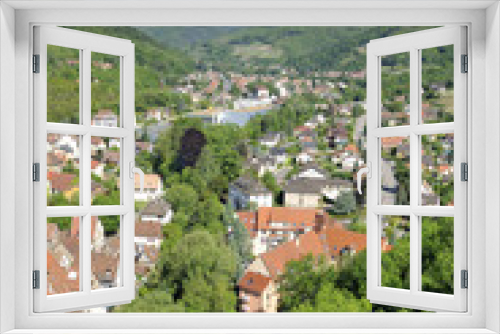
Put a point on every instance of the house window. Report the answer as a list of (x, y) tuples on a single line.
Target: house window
[(396, 154)]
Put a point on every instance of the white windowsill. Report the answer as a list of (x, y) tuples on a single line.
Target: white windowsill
[(482, 317)]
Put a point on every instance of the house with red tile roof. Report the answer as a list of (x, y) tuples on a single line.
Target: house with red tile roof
[(329, 240), (257, 293), (148, 238), (63, 258), (271, 226)]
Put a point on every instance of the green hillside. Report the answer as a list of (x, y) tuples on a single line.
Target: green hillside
[(183, 37), (154, 61), (157, 69), (303, 48)]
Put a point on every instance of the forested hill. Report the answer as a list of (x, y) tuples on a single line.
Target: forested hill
[(303, 48), (184, 37), (157, 68), (154, 62)]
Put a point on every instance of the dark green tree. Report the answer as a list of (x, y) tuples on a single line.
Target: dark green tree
[(238, 239), (345, 203)]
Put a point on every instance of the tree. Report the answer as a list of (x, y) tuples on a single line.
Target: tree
[(152, 302), (332, 299), (300, 282), (198, 272), (270, 182), (111, 196), (345, 203), (238, 239), (172, 233), (437, 254), (182, 197)]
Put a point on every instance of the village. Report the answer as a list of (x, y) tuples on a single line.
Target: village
[(316, 210)]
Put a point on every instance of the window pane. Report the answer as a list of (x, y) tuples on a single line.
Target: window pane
[(395, 94), (63, 85), (437, 84), (437, 170), (105, 170), (395, 170), (105, 249), (63, 170), (105, 90), (437, 254), (63, 255), (395, 251)]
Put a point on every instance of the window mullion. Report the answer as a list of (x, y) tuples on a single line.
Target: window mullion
[(414, 170), (86, 237)]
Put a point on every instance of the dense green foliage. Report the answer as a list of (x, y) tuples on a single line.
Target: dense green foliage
[(154, 62), (198, 272), (238, 239), (309, 285), (183, 37), (303, 48), (157, 69), (345, 203)]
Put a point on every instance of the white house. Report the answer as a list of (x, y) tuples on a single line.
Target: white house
[(153, 187), (246, 190), (105, 117)]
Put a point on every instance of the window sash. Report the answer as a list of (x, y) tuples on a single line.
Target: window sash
[(86, 297), (413, 43)]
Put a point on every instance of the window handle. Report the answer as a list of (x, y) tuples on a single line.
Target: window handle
[(365, 170), (135, 170)]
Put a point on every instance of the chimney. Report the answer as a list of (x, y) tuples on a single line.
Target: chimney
[(297, 242)]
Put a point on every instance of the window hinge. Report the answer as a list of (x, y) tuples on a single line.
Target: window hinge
[(464, 172), (36, 63), (36, 279), (465, 64), (465, 279), (36, 172)]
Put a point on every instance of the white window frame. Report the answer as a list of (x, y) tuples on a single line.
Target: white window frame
[(482, 315), (412, 44), (85, 43)]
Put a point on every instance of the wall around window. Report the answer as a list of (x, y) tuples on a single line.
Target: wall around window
[(7, 160), (191, 17), (492, 186)]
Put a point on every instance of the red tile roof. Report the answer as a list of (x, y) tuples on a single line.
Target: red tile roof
[(61, 181), (276, 259), (338, 239), (148, 229), (58, 280), (254, 282), (301, 217), (388, 142)]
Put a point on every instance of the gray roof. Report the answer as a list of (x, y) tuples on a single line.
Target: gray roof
[(250, 186), (313, 186), (157, 207)]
